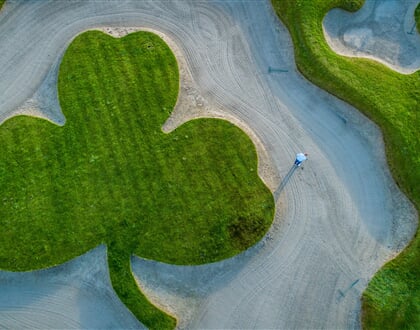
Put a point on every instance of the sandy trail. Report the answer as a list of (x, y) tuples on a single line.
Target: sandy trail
[(341, 216)]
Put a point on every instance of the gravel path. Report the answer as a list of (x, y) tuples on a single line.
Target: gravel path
[(339, 217)]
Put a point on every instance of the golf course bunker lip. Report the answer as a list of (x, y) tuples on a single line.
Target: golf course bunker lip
[(383, 31)]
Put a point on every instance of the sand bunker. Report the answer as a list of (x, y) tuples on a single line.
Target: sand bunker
[(342, 215), (381, 30), (77, 294)]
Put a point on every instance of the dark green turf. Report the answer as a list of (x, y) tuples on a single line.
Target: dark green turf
[(110, 175), (417, 17), (392, 100)]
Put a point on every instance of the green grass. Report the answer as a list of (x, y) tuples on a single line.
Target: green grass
[(417, 17), (2, 3), (392, 100), (110, 175)]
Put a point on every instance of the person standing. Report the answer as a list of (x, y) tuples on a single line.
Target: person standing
[(300, 158)]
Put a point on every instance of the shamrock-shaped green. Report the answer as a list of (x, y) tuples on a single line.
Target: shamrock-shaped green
[(111, 175)]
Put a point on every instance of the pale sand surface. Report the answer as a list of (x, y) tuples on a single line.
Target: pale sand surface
[(382, 30), (77, 294), (338, 219)]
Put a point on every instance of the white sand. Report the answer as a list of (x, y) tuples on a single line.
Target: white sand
[(341, 216), (77, 294), (382, 30)]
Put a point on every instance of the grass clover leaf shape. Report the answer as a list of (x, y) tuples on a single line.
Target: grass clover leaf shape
[(110, 175)]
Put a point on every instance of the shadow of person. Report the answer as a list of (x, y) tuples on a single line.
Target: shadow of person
[(285, 180)]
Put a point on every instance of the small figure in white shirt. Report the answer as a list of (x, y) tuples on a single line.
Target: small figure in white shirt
[(300, 158)]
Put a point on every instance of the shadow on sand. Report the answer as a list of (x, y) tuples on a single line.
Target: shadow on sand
[(284, 182)]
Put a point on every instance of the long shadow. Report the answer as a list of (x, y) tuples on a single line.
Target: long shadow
[(284, 182)]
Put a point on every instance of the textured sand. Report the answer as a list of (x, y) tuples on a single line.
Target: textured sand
[(339, 218), (383, 30)]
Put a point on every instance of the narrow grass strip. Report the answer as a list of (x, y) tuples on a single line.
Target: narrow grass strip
[(127, 289)]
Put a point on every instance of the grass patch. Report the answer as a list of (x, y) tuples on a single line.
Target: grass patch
[(417, 17), (390, 99), (110, 175), (2, 3)]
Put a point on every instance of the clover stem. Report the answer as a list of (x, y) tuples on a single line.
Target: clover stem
[(130, 294)]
